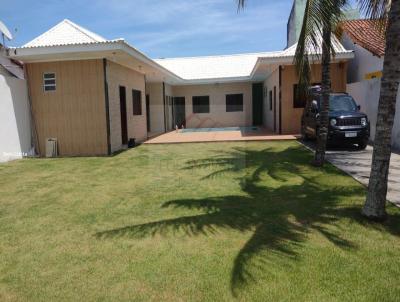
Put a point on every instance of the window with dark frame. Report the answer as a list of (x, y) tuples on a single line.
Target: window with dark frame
[(49, 81), (234, 102), (300, 101), (137, 102), (299, 98), (201, 104), (270, 100)]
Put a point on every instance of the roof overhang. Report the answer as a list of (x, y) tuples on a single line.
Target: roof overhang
[(117, 51), (289, 60), (120, 52)]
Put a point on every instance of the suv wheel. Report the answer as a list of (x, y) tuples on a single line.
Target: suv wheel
[(362, 145)]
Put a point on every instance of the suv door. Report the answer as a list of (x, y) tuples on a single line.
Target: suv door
[(311, 116)]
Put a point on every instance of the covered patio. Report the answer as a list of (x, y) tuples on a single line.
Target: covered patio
[(262, 134)]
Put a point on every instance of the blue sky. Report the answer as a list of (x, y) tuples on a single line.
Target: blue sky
[(160, 28)]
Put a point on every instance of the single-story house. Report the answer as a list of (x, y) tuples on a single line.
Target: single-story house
[(94, 94)]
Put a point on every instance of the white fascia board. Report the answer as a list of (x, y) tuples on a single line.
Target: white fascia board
[(27, 52), (142, 57), (96, 50)]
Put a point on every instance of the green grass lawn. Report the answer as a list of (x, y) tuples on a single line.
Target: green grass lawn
[(192, 222)]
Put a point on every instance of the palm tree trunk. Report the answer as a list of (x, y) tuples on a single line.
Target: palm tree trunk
[(374, 207), (325, 90)]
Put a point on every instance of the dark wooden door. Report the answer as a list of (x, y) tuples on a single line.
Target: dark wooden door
[(257, 104), (148, 112), (179, 112), (124, 121), (275, 119)]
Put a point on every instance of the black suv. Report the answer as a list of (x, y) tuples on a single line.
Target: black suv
[(346, 123)]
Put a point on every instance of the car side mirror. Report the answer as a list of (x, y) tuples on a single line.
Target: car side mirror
[(358, 107)]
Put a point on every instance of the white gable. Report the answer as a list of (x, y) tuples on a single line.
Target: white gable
[(64, 33)]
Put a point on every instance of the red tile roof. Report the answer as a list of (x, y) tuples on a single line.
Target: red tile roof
[(366, 33)]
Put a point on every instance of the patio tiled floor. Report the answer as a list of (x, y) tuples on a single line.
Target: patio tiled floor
[(217, 136)]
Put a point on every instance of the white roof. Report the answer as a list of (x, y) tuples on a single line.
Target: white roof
[(68, 38), (337, 46), (241, 65), (213, 67), (65, 33)]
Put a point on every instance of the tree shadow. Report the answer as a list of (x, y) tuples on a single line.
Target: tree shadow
[(279, 216)]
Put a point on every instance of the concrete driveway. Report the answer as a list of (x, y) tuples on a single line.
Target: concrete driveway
[(358, 165)]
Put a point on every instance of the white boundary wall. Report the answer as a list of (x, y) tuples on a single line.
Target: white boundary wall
[(15, 131), (366, 93)]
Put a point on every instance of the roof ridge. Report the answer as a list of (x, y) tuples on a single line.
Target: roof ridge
[(91, 35), (46, 32), (85, 31)]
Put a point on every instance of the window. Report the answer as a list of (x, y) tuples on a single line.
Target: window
[(137, 102), (234, 102), (270, 100), (299, 98), (300, 101), (49, 81), (201, 104)]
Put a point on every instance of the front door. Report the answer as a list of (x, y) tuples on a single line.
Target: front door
[(257, 104), (179, 112), (275, 111), (148, 112), (124, 122)]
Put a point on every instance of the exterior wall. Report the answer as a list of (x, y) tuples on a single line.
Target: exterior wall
[(118, 75), (291, 117), (268, 115), (364, 62), (155, 92), (75, 113), (366, 94), (15, 130), (4, 72), (217, 117)]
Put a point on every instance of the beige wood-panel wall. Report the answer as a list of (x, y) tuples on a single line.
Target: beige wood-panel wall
[(291, 117), (75, 113), (118, 75)]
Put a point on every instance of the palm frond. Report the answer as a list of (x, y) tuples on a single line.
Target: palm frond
[(308, 40), (241, 4), (376, 10), (319, 14)]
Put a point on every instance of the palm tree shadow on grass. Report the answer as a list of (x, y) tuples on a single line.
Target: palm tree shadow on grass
[(279, 217)]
